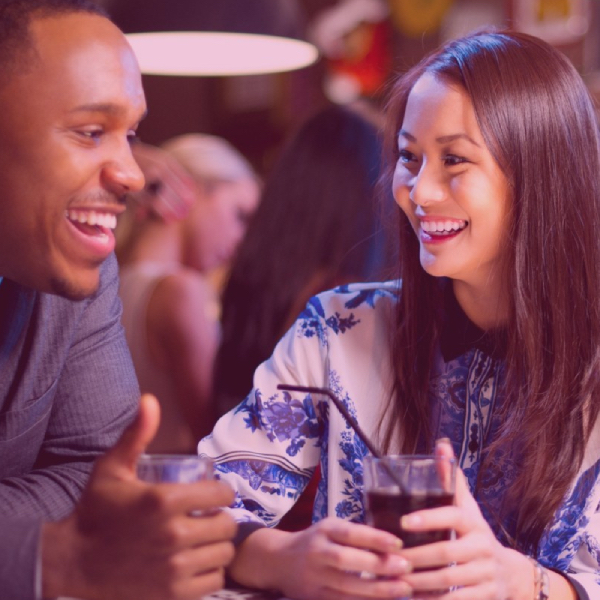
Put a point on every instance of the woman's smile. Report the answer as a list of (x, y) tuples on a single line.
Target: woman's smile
[(435, 230)]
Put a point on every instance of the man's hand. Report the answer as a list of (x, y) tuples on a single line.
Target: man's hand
[(130, 539)]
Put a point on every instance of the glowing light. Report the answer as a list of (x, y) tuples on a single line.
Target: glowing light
[(216, 53)]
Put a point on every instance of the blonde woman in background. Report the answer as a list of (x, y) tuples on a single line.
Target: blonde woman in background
[(170, 307)]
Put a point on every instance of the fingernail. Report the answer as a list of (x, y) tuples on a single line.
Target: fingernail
[(400, 565), (403, 591), (396, 545), (410, 521)]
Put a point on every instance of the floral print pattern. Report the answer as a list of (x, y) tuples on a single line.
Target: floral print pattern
[(340, 341)]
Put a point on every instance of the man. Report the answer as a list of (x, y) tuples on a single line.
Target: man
[(70, 102)]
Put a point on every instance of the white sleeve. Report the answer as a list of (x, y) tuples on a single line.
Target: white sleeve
[(268, 447)]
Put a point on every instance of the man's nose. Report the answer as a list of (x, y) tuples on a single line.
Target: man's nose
[(122, 173)]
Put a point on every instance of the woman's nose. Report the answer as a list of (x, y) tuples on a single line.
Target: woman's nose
[(427, 186)]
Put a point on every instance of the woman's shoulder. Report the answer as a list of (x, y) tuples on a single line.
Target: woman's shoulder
[(348, 308), (358, 296)]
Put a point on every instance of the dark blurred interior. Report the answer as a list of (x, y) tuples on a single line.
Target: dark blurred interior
[(257, 112)]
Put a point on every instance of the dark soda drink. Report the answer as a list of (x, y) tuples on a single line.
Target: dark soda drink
[(384, 508)]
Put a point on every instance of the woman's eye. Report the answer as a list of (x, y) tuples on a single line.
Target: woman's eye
[(404, 156), (452, 160)]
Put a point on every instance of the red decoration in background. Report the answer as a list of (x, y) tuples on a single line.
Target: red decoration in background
[(354, 37), (368, 58)]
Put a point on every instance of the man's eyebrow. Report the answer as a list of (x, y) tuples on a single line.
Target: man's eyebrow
[(445, 139), (104, 107)]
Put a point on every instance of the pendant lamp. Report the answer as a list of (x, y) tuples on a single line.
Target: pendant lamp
[(215, 37)]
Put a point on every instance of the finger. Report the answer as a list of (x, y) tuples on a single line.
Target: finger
[(199, 499), (472, 574), (192, 588), (450, 518), (122, 458), (360, 536), (203, 559), (478, 592), (464, 550), (346, 558), (463, 496), (181, 533), (209, 530), (351, 585), (446, 464)]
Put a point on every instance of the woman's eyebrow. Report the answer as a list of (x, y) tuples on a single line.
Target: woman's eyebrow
[(444, 139)]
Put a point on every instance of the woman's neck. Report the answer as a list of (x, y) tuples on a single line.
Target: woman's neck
[(486, 306)]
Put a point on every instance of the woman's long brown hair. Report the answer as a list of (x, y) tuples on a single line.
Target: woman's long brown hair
[(539, 123)]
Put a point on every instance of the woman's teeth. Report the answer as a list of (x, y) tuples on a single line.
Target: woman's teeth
[(90, 217), (442, 227)]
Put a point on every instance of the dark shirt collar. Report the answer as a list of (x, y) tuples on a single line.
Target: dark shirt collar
[(459, 334)]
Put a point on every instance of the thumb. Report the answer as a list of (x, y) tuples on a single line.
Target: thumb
[(446, 464), (122, 457), (463, 497)]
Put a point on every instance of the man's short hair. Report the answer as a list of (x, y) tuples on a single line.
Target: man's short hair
[(16, 44)]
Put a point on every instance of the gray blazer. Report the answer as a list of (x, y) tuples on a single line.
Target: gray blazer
[(67, 390)]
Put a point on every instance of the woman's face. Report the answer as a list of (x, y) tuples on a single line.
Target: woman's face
[(218, 222), (449, 185)]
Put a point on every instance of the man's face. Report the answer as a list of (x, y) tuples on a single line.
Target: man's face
[(65, 157)]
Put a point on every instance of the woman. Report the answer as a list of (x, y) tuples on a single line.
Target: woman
[(492, 340), (170, 308)]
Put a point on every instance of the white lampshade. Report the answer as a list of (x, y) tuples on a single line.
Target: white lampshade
[(212, 53)]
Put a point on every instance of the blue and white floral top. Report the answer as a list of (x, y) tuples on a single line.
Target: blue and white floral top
[(268, 447)]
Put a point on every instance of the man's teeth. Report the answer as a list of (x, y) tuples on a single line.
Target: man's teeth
[(90, 217), (442, 226)]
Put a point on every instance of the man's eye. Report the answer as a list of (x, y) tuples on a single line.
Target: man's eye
[(91, 134)]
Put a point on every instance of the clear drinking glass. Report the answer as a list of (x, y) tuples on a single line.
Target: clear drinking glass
[(395, 486), (174, 468)]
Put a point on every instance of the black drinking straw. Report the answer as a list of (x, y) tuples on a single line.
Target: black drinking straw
[(350, 420)]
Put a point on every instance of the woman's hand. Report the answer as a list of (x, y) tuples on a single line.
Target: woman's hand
[(323, 562), (481, 568)]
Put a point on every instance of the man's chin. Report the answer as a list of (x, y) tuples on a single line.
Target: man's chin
[(73, 290)]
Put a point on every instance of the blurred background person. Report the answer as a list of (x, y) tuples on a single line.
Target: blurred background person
[(170, 307), (169, 192), (319, 225)]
